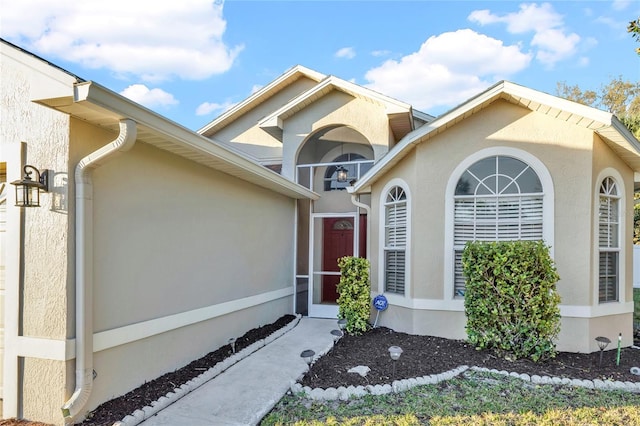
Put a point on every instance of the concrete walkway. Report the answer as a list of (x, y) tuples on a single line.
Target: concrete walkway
[(248, 390)]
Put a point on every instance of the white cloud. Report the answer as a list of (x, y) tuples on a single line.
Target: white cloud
[(148, 97), (346, 52), (554, 42), (207, 108), (448, 69), (145, 38)]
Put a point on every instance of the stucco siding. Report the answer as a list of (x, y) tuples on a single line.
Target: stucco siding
[(245, 134), (36, 298), (123, 368), (44, 298), (605, 159), (571, 155), (172, 236), (336, 108), (42, 389)]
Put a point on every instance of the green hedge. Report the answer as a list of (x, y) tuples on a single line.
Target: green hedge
[(355, 294), (511, 300)]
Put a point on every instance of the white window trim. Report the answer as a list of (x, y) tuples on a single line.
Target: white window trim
[(606, 307), (547, 203), (407, 254)]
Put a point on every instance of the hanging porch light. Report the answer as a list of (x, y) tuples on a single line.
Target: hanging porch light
[(342, 174)]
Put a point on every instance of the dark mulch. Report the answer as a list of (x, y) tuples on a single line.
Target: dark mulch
[(425, 355), (422, 355), (118, 408)]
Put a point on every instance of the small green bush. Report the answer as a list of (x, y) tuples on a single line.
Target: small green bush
[(355, 294), (511, 300)]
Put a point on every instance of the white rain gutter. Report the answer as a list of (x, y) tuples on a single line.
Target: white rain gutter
[(84, 265)]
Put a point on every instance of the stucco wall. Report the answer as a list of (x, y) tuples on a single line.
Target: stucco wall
[(245, 134), (172, 237), (566, 151), (366, 118), (36, 301)]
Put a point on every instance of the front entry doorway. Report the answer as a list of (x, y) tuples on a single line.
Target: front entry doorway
[(337, 242), (334, 237)]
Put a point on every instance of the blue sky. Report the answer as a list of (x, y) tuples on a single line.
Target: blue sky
[(191, 59)]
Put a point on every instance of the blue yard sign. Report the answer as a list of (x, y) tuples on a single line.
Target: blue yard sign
[(380, 303)]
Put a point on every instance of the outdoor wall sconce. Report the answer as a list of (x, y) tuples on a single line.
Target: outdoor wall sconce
[(342, 174), (307, 355), (28, 190)]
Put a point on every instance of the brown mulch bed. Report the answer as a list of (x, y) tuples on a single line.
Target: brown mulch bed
[(425, 355), (118, 408), (422, 355)]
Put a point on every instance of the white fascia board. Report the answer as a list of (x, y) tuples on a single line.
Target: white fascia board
[(298, 69), (121, 107), (402, 148), (558, 103), (392, 106), (497, 90)]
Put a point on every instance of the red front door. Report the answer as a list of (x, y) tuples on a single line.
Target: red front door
[(337, 242)]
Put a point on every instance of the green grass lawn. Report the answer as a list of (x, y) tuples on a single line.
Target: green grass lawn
[(471, 399)]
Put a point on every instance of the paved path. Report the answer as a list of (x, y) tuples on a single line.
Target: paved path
[(248, 390)]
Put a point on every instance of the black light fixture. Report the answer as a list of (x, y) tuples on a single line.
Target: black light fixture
[(28, 190), (342, 174)]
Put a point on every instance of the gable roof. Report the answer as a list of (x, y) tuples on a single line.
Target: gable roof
[(102, 107), (399, 113), (241, 108), (606, 125)]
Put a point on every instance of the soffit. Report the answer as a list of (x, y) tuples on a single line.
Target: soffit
[(103, 108), (606, 125)]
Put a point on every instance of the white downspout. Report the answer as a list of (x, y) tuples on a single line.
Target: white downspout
[(367, 208), (84, 265)]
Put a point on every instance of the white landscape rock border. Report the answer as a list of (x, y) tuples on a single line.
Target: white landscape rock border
[(163, 402), (342, 393)]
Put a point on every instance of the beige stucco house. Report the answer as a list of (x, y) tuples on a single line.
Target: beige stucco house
[(510, 163), (154, 244), (149, 249)]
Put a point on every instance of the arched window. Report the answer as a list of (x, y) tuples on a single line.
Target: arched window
[(331, 182), (498, 198), (395, 240), (608, 241)]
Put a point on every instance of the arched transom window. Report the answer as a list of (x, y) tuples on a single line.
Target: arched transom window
[(498, 198), (608, 240), (395, 240)]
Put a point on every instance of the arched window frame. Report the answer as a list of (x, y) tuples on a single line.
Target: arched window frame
[(547, 206), (614, 175), (383, 248)]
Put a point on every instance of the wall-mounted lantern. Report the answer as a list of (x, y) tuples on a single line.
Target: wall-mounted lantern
[(28, 189), (342, 174)]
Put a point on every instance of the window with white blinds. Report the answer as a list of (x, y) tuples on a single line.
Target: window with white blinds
[(608, 240), (395, 240), (498, 198)]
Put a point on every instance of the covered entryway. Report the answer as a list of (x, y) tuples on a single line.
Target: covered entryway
[(337, 242), (333, 226)]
